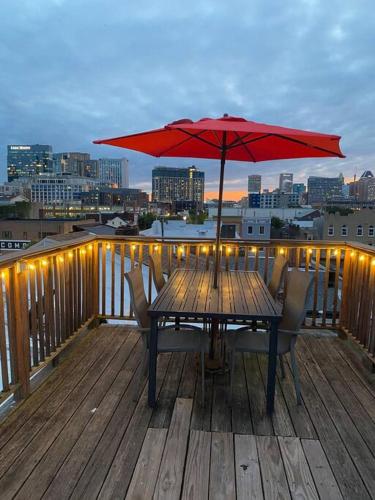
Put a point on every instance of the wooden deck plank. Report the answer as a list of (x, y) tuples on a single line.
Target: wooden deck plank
[(196, 477), (162, 414), (221, 413), (46, 470), (123, 389), (241, 417), (248, 478), (146, 471), (358, 414), (39, 418), (338, 456), (274, 480), (201, 417), (21, 414), (186, 389), (355, 444), (324, 479), (172, 466), (116, 454), (282, 423), (301, 483), (262, 423), (222, 476)]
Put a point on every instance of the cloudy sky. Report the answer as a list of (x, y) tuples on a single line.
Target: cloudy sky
[(75, 70)]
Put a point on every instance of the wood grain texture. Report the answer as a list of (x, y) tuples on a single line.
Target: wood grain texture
[(248, 479), (196, 477), (299, 477), (147, 468), (222, 475), (275, 483), (172, 466)]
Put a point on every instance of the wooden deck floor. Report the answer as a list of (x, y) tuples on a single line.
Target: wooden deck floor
[(84, 434)]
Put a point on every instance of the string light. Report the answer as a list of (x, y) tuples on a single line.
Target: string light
[(254, 250), (133, 247), (352, 253), (61, 258), (108, 246), (90, 247), (362, 257), (44, 262), (3, 274), (373, 262), (229, 249), (156, 247), (310, 251), (204, 249), (31, 267), (282, 251), (335, 252), (82, 251), (70, 255)]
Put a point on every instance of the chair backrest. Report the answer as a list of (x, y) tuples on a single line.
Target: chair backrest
[(138, 297), (157, 271), (280, 265), (298, 288)]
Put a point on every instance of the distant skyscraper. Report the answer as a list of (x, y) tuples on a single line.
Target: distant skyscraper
[(28, 160), (114, 172), (177, 184), (320, 189), (286, 183), (76, 164), (254, 183)]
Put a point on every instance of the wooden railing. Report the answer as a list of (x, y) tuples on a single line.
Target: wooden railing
[(48, 295)]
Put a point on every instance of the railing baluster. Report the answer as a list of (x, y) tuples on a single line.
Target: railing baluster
[(336, 289), (3, 347), (113, 279), (316, 286), (104, 277), (325, 289)]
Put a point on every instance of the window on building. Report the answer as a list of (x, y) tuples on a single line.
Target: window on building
[(6, 235), (261, 229), (359, 230), (331, 230), (371, 230), (344, 230), (249, 229)]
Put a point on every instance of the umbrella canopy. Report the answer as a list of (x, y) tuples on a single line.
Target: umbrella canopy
[(229, 138)]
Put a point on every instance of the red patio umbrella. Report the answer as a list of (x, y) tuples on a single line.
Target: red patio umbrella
[(229, 138)]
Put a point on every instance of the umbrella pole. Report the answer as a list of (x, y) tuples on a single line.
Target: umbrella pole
[(218, 228)]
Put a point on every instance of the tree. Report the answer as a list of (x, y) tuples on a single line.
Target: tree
[(277, 223), (145, 221)]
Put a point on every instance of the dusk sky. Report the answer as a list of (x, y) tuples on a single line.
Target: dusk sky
[(72, 71)]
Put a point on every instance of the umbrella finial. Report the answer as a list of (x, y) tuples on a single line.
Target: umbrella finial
[(225, 115)]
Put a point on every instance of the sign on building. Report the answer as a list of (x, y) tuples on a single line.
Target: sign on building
[(14, 244)]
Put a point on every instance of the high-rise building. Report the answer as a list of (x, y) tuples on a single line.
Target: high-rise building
[(176, 184), (321, 189), (254, 183), (286, 183), (114, 172), (299, 188), (78, 164), (28, 160)]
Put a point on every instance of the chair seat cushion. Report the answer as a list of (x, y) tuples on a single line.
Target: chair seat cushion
[(183, 341), (257, 342)]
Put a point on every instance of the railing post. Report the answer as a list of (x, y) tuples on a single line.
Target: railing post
[(22, 344)]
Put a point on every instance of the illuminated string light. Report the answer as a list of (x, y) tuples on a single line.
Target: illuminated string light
[(352, 254), (134, 247), (254, 249), (70, 255), (82, 251), (90, 247), (44, 262), (282, 251), (229, 250), (204, 249), (3, 274), (373, 262), (61, 258), (108, 246), (156, 248), (310, 251), (335, 252), (31, 267), (362, 257)]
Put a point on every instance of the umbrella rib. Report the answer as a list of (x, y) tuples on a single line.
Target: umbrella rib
[(196, 136), (297, 141), (162, 153), (303, 143), (240, 141)]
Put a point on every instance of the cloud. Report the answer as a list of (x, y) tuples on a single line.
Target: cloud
[(76, 70)]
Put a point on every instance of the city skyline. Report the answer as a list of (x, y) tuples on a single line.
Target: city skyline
[(97, 76)]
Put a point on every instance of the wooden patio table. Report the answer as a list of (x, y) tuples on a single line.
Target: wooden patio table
[(241, 295)]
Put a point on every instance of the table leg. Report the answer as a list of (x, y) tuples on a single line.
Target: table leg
[(152, 362), (272, 362)]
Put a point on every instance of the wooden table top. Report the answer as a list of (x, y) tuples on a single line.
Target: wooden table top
[(240, 295)]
